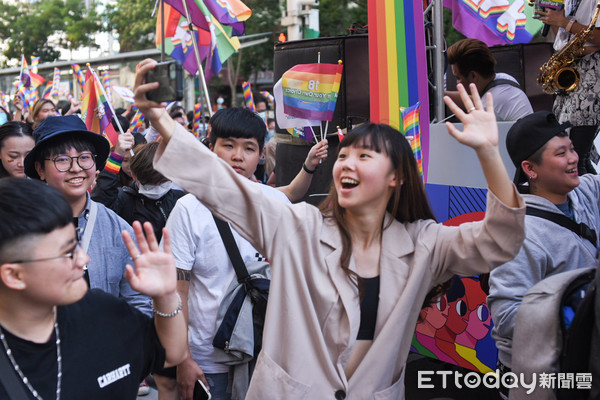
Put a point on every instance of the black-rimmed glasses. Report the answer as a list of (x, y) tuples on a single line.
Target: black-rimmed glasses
[(64, 163), (72, 254)]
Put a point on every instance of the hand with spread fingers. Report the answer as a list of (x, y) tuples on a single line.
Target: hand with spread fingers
[(480, 132), (155, 273), (480, 127)]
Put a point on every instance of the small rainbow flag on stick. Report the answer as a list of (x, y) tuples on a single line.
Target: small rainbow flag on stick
[(96, 111), (79, 73), (310, 91), (248, 98), (137, 120), (197, 118), (106, 84), (412, 132), (397, 63), (55, 84)]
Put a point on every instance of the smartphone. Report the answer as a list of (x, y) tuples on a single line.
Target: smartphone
[(201, 392), (169, 75)]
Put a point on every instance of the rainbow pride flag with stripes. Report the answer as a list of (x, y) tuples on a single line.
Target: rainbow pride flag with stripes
[(95, 109), (248, 98), (412, 132), (310, 91), (397, 64)]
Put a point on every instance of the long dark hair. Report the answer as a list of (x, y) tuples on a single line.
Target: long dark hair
[(408, 201), (12, 129)]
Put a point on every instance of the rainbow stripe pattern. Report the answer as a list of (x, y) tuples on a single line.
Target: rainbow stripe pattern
[(248, 98), (137, 120), (55, 84), (412, 132), (270, 98), (310, 91), (4, 100), (106, 84), (79, 73), (397, 64), (197, 118), (95, 109)]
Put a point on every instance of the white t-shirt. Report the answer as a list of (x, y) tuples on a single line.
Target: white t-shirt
[(583, 15), (198, 247), (510, 103)]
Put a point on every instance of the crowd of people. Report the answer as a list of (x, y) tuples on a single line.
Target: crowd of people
[(112, 265)]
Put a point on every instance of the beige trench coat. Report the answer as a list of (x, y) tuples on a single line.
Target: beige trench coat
[(313, 313)]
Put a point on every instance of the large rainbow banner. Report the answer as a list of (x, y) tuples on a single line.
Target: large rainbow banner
[(397, 64)]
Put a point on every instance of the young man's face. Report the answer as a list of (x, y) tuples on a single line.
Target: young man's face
[(57, 278), (241, 153), (73, 183)]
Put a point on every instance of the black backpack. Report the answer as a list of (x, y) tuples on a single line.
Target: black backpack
[(138, 207)]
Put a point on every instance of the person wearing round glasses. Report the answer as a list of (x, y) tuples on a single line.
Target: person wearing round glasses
[(66, 156)]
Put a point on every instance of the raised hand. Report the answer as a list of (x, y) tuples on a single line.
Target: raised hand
[(317, 154), (480, 127), (155, 112), (124, 143), (155, 273)]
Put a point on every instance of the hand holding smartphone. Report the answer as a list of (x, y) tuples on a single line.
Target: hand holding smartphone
[(201, 392), (169, 75)]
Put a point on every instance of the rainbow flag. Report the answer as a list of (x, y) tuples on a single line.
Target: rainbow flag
[(79, 73), (305, 133), (412, 132), (270, 98), (4, 100), (137, 120), (106, 84), (95, 109), (397, 64), (230, 12), (55, 83), (197, 118), (310, 91), (35, 61), (28, 77), (47, 91), (248, 98)]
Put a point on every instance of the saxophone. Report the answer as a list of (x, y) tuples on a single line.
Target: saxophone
[(559, 74)]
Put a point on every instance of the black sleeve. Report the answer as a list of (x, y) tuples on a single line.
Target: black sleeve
[(108, 190)]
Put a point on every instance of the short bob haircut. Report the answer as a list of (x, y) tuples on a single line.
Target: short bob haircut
[(237, 122), (29, 207), (61, 144), (13, 129)]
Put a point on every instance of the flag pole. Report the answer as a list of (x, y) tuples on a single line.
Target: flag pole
[(114, 115), (197, 54), (162, 30)]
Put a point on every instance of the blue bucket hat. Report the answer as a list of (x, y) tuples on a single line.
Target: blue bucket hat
[(53, 127)]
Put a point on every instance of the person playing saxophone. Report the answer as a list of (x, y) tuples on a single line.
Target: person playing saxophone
[(581, 106)]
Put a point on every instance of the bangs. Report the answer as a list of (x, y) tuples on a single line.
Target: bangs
[(63, 143), (371, 137)]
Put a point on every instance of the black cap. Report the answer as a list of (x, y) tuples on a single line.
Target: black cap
[(52, 127), (528, 135)]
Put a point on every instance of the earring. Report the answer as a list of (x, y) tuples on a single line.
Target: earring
[(533, 176)]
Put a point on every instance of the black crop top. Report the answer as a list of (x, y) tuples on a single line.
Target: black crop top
[(368, 308)]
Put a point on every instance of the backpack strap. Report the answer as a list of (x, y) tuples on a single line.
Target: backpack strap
[(14, 388), (232, 250), (580, 228), (498, 82)]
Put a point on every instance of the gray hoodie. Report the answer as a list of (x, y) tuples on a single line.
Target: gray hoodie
[(548, 249)]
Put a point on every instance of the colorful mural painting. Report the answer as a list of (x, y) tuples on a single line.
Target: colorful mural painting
[(457, 328)]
